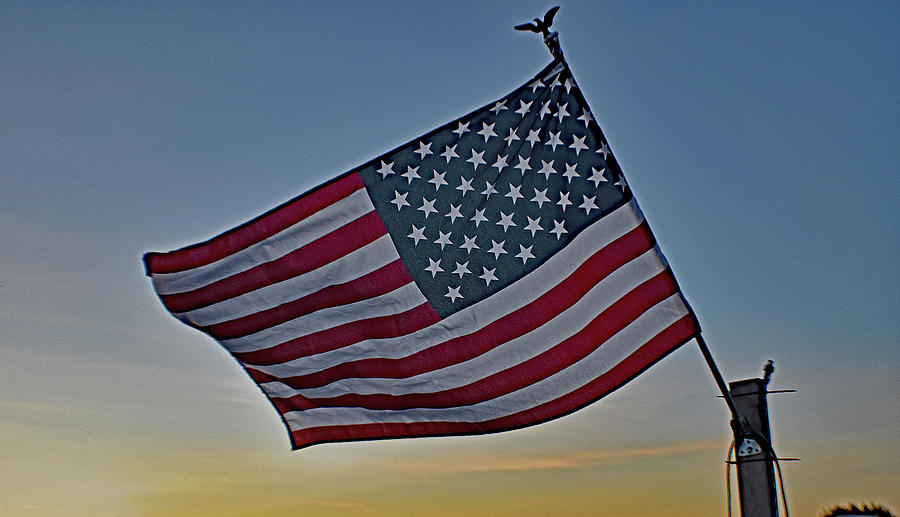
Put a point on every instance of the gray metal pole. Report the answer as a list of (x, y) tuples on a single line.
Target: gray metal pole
[(737, 420), (755, 468)]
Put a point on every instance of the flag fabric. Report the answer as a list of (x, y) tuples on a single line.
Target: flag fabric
[(492, 274)]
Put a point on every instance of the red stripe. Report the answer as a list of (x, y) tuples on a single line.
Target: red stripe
[(663, 343), (381, 281), (380, 327), (511, 326), (657, 347), (317, 253), (569, 351), (255, 231)]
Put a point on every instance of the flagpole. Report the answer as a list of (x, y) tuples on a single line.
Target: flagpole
[(738, 423)]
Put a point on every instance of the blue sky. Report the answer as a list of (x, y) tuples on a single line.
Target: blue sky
[(760, 140)]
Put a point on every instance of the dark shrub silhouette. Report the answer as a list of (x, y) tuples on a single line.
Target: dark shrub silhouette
[(875, 510)]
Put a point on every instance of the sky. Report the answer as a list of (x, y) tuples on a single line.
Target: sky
[(761, 140)]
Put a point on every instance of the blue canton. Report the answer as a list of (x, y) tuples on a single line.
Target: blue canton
[(478, 203)]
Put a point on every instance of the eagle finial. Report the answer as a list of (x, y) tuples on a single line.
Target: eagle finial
[(551, 39), (540, 26)]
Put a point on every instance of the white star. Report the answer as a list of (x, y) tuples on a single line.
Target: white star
[(501, 163), (562, 111), (523, 165), (437, 180), (545, 109), (588, 204), (469, 244), (400, 200), (555, 81), (479, 217), (488, 190), (450, 152), (570, 172), (506, 221), (427, 207), (464, 185), (443, 239), (386, 169), (462, 129), (536, 85), (462, 269), (547, 169), (558, 228), (555, 140), (487, 131), (533, 136), (514, 192), (603, 149), (511, 136), (488, 275), (524, 253), (454, 213), (497, 249), (417, 234), (434, 267), (411, 173), (423, 150), (621, 183), (563, 200), (586, 117), (534, 225), (578, 144), (453, 294), (476, 159), (597, 176), (540, 197), (500, 106), (524, 108), (568, 84)]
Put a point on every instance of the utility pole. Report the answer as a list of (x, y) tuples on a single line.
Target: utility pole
[(755, 468)]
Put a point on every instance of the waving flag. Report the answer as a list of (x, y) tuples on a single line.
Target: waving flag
[(491, 274)]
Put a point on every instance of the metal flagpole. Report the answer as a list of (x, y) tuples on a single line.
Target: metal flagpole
[(756, 479), (738, 422)]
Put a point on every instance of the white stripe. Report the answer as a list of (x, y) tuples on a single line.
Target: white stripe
[(557, 69), (601, 360), (399, 300), (303, 232), (507, 355), (480, 314), (355, 264)]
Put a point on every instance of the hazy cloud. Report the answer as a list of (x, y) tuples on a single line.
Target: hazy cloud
[(573, 460), (334, 503)]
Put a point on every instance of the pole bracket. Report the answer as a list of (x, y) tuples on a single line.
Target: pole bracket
[(748, 447)]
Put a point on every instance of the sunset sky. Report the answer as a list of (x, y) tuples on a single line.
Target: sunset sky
[(761, 140)]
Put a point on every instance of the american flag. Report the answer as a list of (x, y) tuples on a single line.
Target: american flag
[(492, 274)]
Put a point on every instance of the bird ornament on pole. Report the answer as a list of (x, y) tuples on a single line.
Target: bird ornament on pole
[(539, 26)]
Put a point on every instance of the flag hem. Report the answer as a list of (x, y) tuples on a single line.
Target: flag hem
[(295, 447)]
